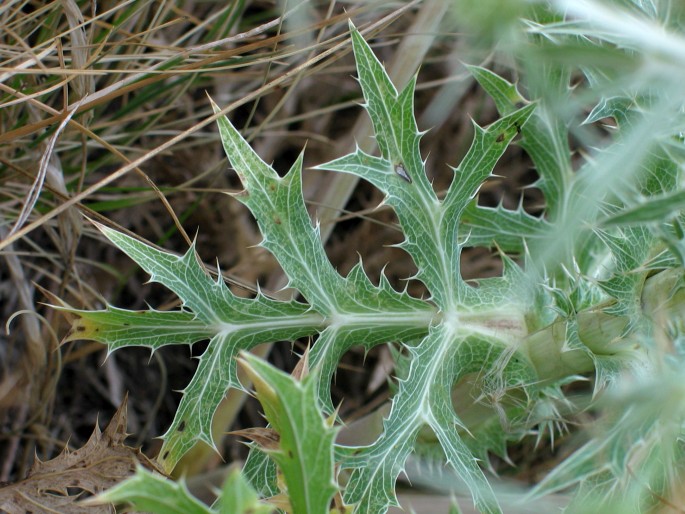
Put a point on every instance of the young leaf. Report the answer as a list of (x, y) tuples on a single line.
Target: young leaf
[(237, 497), (151, 492), (305, 449)]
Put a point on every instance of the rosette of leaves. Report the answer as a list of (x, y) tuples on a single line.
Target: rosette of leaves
[(521, 335)]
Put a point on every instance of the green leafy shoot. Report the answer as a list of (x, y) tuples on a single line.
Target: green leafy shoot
[(304, 453), (150, 492)]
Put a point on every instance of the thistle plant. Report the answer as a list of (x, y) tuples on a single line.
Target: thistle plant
[(593, 286)]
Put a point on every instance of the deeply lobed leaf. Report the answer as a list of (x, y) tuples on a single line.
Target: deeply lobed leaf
[(230, 323), (523, 334)]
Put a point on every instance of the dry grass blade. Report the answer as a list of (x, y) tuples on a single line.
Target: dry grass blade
[(37, 186), (332, 52)]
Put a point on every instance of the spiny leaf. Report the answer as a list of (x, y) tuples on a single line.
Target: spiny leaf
[(543, 138), (154, 493), (447, 354), (278, 206), (153, 329), (430, 226), (635, 453), (506, 229), (431, 230), (304, 452), (653, 209), (58, 485), (392, 115), (231, 324), (486, 149), (512, 332), (353, 307), (279, 209)]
